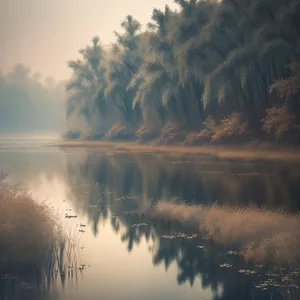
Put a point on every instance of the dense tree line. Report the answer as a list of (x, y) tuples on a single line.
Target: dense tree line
[(29, 104), (212, 68)]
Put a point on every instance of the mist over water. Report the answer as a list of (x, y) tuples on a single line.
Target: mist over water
[(133, 256), (156, 155)]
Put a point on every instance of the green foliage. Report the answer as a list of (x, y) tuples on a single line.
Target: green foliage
[(208, 58)]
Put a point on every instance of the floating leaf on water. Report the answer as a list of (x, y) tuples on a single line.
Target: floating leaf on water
[(139, 225), (226, 266), (180, 235), (247, 272), (271, 274), (232, 253)]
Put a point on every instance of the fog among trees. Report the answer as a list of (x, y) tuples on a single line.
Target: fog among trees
[(207, 72), (29, 103)]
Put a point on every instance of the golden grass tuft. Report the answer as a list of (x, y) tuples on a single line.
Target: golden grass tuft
[(262, 235), (32, 238), (26, 227)]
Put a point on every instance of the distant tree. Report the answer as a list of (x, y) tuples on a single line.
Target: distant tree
[(208, 58)]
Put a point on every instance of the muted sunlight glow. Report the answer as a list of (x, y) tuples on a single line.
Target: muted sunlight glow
[(46, 34)]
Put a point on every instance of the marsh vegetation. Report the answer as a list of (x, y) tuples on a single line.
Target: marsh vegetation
[(36, 249), (204, 249)]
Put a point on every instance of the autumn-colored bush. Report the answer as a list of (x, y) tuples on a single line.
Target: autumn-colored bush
[(171, 133), (289, 86), (279, 122), (203, 136), (119, 131), (228, 130), (146, 133)]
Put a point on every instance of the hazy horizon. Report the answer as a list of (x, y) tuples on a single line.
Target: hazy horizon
[(45, 36)]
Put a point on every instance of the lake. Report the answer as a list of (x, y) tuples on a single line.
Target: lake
[(127, 253)]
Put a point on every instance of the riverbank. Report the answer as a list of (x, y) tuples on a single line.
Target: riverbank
[(245, 152)]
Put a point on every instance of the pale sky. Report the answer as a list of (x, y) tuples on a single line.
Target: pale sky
[(45, 34)]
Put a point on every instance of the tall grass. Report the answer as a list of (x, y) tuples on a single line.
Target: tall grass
[(35, 247), (263, 236)]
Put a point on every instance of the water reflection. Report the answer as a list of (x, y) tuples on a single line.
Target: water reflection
[(118, 189), (124, 183), (146, 178)]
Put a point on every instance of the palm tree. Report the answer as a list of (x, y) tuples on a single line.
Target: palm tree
[(209, 58), (88, 73), (122, 66)]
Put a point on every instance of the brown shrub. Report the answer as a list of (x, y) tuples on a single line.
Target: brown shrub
[(229, 128), (147, 133), (120, 131), (198, 138), (279, 122), (171, 133)]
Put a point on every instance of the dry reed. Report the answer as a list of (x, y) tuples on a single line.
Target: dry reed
[(261, 234)]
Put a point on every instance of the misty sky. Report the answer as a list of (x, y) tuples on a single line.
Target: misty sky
[(45, 34)]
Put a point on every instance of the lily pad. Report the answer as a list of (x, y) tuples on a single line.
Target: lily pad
[(226, 266)]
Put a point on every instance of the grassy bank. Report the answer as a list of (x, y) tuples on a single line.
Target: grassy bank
[(263, 236), (267, 152)]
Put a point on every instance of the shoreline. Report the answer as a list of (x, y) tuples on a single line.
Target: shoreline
[(259, 152)]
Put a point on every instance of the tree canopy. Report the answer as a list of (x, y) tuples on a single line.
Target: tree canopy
[(207, 59)]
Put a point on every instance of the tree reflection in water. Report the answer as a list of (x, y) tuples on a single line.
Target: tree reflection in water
[(123, 187)]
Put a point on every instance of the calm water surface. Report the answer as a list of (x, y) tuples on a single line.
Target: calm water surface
[(126, 254)]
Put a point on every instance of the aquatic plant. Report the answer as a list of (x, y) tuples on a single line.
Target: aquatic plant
[(263, 235), (35, 245)]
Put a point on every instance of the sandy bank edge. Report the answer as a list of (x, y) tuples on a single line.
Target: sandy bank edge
[(291, 154)]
